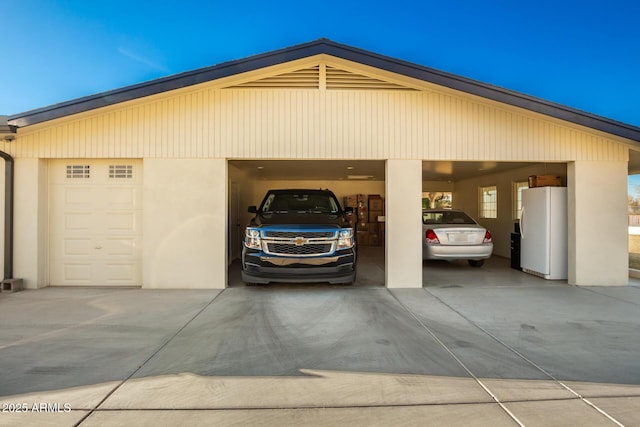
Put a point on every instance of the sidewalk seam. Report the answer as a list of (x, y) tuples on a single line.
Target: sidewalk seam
[(477, 380), (523, 357)]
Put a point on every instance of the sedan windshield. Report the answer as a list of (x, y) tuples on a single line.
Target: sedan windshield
[(446, 217)]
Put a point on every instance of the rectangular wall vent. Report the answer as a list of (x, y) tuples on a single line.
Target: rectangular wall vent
[(78, 171)]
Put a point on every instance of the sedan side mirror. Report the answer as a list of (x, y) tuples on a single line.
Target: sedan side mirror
[(252, 209)]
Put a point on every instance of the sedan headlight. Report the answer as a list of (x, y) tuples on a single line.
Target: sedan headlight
[(345, 238), (252, 238)]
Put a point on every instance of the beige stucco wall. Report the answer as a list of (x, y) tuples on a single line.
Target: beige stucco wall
[(598, 233), (185, 223), (31, 222), (403, 244)]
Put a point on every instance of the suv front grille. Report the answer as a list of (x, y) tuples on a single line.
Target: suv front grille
[(302, 250)]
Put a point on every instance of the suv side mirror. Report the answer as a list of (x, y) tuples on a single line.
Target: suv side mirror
[(252, 209), (348, 210)]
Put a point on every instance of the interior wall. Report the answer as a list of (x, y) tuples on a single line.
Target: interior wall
[(465, 197), (437, 186)]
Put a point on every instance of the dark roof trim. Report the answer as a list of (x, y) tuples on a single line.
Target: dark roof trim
[(324, 46)]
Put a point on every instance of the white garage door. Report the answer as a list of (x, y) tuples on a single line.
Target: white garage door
[(95, 222)]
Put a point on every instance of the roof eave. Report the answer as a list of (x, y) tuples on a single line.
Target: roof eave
[(324, 46)]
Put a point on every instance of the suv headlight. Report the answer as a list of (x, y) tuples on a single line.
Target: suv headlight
[(252, 238), (345, 238)]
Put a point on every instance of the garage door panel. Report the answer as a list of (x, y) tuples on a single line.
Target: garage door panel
[(121, 273), (78, 221), (77, 247), (79, 274), (95, 223), (118, 197), (121, 221), (122, 246), (78, 197)]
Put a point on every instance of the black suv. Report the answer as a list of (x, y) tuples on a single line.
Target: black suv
[(299, 236)]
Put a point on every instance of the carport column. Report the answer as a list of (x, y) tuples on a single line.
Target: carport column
[(403, 249), (598, 225), (185, 223)]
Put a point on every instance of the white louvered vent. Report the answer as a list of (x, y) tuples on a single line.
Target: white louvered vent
[(78, 171), (120, 171), (307, 78), (339, 79)]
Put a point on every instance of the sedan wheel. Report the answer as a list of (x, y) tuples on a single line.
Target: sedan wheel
[(476, 262)]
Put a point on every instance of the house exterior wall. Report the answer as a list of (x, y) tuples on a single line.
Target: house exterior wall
[(314, 124), (31, 222), (185, 232), (193, 131), (403, 246), (598, 233)]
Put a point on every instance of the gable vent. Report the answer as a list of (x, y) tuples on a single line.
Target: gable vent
[(346, 80), (307, 78)]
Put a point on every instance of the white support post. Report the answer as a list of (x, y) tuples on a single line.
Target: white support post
[(598, 224), (403, 248)]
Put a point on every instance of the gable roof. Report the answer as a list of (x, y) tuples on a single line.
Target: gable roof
[(328, 47)]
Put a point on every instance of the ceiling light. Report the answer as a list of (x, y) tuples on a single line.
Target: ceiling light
[(350, 168), (359, 176)]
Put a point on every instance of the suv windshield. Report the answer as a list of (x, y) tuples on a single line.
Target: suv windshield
[(303, 202)]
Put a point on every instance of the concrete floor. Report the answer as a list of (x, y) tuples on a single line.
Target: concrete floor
[(487, 346)]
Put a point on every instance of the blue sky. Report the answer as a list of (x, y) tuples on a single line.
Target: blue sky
[(584, 54)]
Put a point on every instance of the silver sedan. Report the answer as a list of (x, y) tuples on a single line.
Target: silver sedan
[(450, 234)]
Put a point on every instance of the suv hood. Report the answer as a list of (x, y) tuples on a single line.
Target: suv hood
[(302, 219)]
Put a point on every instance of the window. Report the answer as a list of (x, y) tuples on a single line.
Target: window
[(120, 171), (489, 202), (78, 171), (436, 199), (517, 198)]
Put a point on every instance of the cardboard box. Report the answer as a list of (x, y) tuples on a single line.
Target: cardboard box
[(544, 181), (350, 201), (362, 238), (373, 215), (376, 203)]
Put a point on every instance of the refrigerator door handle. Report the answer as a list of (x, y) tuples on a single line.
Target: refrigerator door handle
[(522, 221)]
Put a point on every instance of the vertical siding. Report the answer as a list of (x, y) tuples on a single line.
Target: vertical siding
[(314, 124)]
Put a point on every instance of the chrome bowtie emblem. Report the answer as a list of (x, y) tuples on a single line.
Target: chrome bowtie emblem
[(299, 241)]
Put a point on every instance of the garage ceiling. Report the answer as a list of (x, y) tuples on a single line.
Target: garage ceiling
[(372, 170)]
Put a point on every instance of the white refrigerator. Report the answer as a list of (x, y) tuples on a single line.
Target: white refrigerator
[(543, 231)]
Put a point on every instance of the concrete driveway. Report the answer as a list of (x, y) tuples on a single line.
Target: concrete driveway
[(530, 353)]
